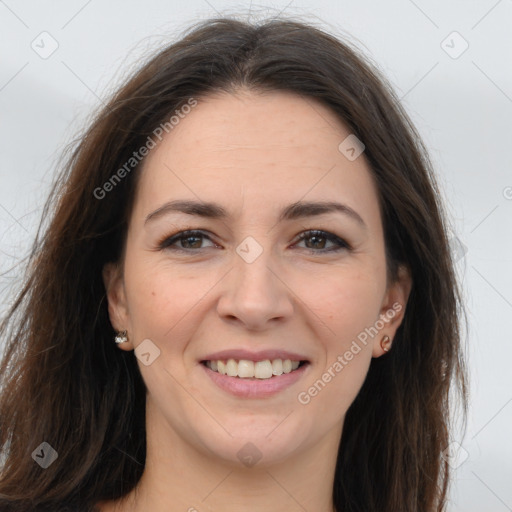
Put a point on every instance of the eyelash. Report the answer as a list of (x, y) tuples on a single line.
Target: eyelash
[(167, 242)]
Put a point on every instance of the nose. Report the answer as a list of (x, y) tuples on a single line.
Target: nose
[(255, 293)]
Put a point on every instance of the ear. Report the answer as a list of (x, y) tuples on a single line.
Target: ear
[(116, 297), (393, 309)]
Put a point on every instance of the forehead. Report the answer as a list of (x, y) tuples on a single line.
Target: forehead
[(269, 148)]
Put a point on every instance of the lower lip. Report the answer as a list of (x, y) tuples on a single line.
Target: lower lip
[(256, 388)]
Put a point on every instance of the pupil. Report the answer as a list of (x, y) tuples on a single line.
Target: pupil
[(316, 237), (187, 240)]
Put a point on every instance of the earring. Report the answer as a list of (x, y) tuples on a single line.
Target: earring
[(121, 337), (385, 343)]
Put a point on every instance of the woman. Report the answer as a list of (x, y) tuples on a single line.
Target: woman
[(244, 297)]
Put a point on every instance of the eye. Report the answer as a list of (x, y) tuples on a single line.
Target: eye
[(319, 239), (189, 240), (192, 240)]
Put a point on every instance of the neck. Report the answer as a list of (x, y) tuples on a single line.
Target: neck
[(179, 477)]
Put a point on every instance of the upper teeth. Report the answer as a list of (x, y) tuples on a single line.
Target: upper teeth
[(247, 369)]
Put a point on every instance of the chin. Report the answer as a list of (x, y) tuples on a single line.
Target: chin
[(255, 442)]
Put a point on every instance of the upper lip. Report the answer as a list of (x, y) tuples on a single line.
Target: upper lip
[(261, 355)]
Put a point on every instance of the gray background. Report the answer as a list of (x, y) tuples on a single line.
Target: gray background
[(460, 102)]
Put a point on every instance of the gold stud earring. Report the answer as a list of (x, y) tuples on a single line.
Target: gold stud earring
[(385, 343), (121, 337)]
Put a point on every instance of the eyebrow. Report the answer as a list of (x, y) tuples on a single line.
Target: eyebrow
[(297, 210)]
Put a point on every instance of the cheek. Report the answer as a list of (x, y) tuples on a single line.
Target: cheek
[(345, 307), (163, 301), (156, 298), (354, 308), (346, 301), (331, 393)]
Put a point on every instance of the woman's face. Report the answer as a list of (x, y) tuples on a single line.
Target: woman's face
[(251, 168)]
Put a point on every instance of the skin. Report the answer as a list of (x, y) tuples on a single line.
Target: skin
[(254, 154)]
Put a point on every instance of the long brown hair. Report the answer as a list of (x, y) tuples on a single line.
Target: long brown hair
[(64, 382)]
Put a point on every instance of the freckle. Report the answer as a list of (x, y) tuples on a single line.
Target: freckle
[(152, 293)]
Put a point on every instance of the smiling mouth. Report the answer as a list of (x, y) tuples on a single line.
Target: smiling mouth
[(246, 369)]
